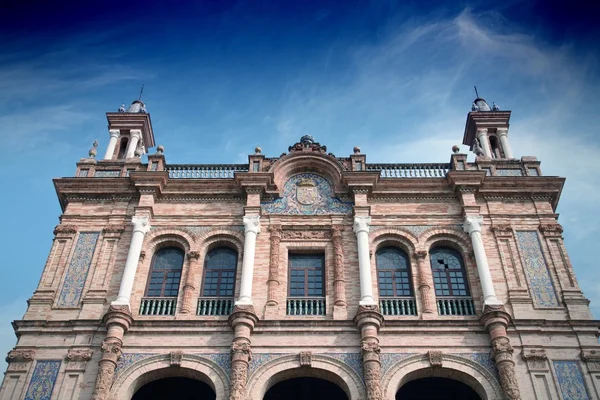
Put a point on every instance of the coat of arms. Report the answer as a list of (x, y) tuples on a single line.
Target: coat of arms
[(306, 192)]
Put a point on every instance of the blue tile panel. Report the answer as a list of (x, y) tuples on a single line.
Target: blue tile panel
[(482, 359), (307, 194), (509, 172), (353, 360), (107, 174), (388, 360), (536, 269), (43, 380), (570, 380), (77, 272)]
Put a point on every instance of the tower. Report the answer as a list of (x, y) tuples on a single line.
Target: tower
[(130, 131), (486, 131)]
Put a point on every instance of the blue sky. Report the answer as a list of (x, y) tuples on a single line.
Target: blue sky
[(221, 77)]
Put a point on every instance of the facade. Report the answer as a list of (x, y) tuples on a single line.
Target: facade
[(306, 276)]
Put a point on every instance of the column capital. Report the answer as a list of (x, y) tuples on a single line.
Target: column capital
[(473, 223), (481, 131), (420, 255), (136, 133), (252, 223), (502, 131), (140, 223), (115, 133), (362, 224)]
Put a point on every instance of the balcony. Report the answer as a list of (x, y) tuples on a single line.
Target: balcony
[(455, 306), (215, 306), (398, 306), (207, 171), (158, 306), (306, 306), (410, 170)]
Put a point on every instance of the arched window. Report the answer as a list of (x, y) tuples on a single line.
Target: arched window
[(495, 147), (165, 273), (393, 273), (449, 276), (123, 148), (219, 273)]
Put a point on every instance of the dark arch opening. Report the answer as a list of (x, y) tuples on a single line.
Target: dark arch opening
[(175, 388), (436, 389), (305, 389), (123, 148)]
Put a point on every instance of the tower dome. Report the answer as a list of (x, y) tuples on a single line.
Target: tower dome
[(482, 104), (137, 107)]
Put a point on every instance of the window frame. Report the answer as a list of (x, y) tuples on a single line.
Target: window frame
[(291, 255), (220, 277), (408, 269), (165, 274), (447, 276)]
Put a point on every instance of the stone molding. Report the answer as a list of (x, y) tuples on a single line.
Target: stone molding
[(306, 235), (65, 230), (503, 230), (536, 359), (20, 355), (551, 230), (592, 359)]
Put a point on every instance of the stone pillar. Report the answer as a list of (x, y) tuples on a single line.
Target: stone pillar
[(424, 281), (503, 136), (242, 320), (141, 226), (496, 319), (368, 320), (472, 226), (112, 142), (273, 280), (136, 135), (190, 288), (117, 320), (482, 136), (361, 229), (252, 228), (339, 290)]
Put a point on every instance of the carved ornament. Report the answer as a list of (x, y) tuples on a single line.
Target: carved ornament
[(535, 359), (305, 358), (502, 230), (176, 357), (551, 229), (113, 229), (435, 358), (420, 255), (307, 143), (193, 255), (306, 235), (20, 356), (79, 355), (65, 229)]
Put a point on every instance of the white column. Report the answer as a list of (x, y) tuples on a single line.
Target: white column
[(472, 226), (136, 135), (141, 226), (503, 136), (251, 229), (482, 135), (361, 229), (112, 142)]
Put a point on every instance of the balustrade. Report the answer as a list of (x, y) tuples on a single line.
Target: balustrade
[(306, 306), (158, 306), (205, 171), (215, 306), (455, 306), (410, 170), (398, 306)]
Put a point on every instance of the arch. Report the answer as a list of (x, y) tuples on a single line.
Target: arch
[(165, 272), (123, 144), (161, 237), (440, 236), (322, 366), (394, 236), (159, 366), (453, 366), (222, 237), (296, 163)]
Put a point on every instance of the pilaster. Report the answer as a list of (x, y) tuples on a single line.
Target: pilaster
[(189, 288)]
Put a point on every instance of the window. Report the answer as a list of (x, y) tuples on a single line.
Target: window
[(165, 273), (219, 273), (123, 148), (449, 275), (393, 273), (306, 275)]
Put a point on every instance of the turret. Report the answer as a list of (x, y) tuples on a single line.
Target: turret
[(130, 132), (486, 130)]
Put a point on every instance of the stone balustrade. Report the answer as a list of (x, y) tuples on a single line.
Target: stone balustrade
[(398, 306), (306, 306)]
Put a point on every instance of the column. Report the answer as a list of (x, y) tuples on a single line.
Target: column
[(472, 226), (369, 320), (251, 228), (141, 226), (503, 136), (339, 290), (482, 135), (424, 279), (242, 320), (189, 288), (361, 229), (273, 281), (136, 135), (112, 142)]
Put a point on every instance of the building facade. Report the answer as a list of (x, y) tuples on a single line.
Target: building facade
[(306, 276)]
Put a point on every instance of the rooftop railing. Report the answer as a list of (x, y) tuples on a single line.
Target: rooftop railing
[(204, 171), (410, 170)]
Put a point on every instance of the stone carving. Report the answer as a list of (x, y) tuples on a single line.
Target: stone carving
[(20, 356), (65, 229), (94, 150), (189, 287), (176, 357), (338, 266), (79, 355), (501, 345), (273, 280), (592, 358), (502, 230), (435, 358), (508, 380), (111, 352), (535, 359), (118, 229), (306, 235), (241, 355), (424, 279), (305, 358), (193, 255), (307, 143), (372, 374), (551, 229)]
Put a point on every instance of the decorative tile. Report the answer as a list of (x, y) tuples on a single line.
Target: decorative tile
[(307, 194), (508, 172), (532, 172), (130, 358), (77, 272), (259, 359), (223, 360), (43, 379), (108, 174), (353, 360), (389, 359), (570, 380), (83, 173), (482, 359), (536, 269)]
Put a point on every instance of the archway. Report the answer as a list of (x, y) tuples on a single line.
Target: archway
[(305, 389), (175, 388), (436, 389)]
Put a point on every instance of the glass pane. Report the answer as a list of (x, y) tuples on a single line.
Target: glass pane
[(448, 272), (169, 258), (221, 258), (391, 258)]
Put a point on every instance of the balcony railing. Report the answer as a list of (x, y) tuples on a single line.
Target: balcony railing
[(215, 306), (455, 306), (306, 306), (205, 171), (410, 170), (398, 306), (158, 306)]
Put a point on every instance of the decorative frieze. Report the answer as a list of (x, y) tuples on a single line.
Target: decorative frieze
[(306, 235)]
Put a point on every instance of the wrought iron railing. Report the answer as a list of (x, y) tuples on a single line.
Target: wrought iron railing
[(410, 170), (306, 306), (398, 306), (204, 171), (158, 306), (215, 306), (455, 306)]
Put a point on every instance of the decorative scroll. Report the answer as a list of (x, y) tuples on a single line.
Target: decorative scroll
[(536, 269), (76, 275), (570, 380), (307, 194), (43, 379)]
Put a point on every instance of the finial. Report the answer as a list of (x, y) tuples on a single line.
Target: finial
[(122, 108), (94, 150), (356, 150), (495, 107), (476, 94), (143, 109), (141, 91), (160, 149), (455, 149), (474, 107), (257, 150)]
